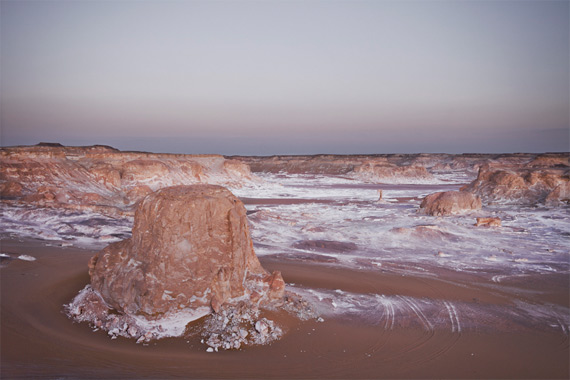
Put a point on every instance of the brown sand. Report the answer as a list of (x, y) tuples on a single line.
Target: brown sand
[(37, 339)]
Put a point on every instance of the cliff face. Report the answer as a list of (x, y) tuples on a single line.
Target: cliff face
[(102, 178)]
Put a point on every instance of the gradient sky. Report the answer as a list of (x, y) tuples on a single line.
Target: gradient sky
[(278, 77)]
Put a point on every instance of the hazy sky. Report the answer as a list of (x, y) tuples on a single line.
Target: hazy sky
[(276, 77)]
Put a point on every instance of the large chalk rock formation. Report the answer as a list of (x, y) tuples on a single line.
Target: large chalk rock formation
[(190, 247), (190, 252)]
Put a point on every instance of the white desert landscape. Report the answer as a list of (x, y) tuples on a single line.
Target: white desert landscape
[(277, 189), (386, 265)]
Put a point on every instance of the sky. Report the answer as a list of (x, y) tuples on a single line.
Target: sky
[(287, 77)]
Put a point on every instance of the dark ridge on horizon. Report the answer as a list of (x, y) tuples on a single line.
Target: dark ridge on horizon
[(59, 145)]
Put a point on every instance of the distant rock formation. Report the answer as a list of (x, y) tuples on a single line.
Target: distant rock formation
[(560, 195), (365, 164), (389, 166), (385, 172), (450, 202), (523, 184), (103, 179), (190, 253)]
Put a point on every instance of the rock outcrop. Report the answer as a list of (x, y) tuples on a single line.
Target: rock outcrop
[(523, 184), (190, 248), (104, 179), (450, 202), (190, 253), (559, 196)]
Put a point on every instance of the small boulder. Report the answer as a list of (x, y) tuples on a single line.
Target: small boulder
[(450, 202), (488, 222)]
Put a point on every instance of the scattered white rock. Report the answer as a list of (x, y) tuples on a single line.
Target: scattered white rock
[(244, 327), (27, 258), (261, 327)]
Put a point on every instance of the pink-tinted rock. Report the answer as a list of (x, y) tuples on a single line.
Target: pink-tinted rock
[(488, 222), (190, 247), (137, 193), (11, 189), (276, 285), (73, 175), (550, 160), (237, 169), (143, 169), (450, 202), (519, 184), (560, 195), (106, 174)]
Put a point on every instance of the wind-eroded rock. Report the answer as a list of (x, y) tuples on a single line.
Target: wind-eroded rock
[(190, 253), (190, 248), (104, 179), (450, 202), (523, 184)]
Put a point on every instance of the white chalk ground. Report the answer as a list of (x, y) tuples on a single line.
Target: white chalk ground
[(532, 240)]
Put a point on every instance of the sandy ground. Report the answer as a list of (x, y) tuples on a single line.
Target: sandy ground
[(38, 340)]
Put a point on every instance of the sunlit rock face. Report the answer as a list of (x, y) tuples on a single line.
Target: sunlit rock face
[(190, 248), (543, 180), (450, 202)]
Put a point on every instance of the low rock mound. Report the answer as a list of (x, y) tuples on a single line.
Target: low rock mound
[(488, 222), (450, 202), (190, 253)]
